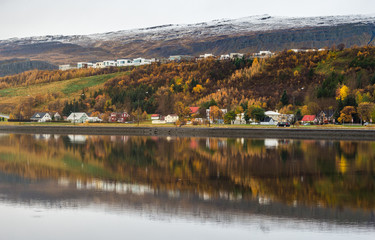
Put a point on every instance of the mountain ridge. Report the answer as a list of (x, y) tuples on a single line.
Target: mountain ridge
[(248, 34)]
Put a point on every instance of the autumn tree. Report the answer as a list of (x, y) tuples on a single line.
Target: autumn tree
[(342, 92), (215, 113), (182, 111), (364, 110), (346, 115), (229, 117)]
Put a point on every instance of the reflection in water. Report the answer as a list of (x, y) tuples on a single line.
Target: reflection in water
[(238, 181)]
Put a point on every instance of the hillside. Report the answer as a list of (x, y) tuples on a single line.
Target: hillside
[(14, 66), (290, 82), (249, 34)]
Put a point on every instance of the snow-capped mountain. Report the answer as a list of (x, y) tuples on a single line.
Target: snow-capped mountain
[(218, 36), (262, 23)]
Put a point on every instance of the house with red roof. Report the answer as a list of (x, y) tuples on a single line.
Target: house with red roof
[(194, 110), (155, 117), (308, 119)]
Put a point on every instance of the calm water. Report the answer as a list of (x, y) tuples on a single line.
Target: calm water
[(120, 187)]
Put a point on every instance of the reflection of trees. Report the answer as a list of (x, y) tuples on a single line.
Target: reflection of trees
[(324, 172)]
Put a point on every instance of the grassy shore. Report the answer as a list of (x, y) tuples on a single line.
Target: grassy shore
[(149, 125)]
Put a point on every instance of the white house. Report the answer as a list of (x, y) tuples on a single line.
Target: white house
[(99, 65), (94, 119), (171, 118), (124, 62), (109, 63), (180, 58), (235, 55), (274, 115), (57, 116), (206, 55), (155, 117), (224, 57), (41, 117), (268, 121), (65, 67), (240, 119), (77, 117), (82, 65), (142, 61)]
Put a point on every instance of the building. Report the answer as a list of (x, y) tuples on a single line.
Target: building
[(83, 65), (207, 55), (224, 57), (268, 121), (155, 117), (179, 58), (274, 115), (41, 117), (57, 116), (194, 110), (77, 117), (235, 55), (240, 119), (94, 120), (308, 119), (124, 117), (66, 67), (109, 63), (99, 65), (171, 118), (263, 54), (142, 61), (124, 62)]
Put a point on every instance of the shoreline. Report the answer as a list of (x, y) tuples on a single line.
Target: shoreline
[(278, 133)]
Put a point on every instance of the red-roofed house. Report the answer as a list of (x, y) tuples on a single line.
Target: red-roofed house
[(155, 117), (194, 110), (308, 118)]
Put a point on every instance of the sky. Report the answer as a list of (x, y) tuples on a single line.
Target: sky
[(24, 18)]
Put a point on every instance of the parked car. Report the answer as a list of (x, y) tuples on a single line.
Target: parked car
[(307, 124), (365, 124), (283, 124)]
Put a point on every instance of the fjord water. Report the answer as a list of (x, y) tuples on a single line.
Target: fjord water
[(122, 187)]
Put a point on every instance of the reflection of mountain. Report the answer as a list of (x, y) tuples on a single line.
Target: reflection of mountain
[(326, 173), (149, 201)]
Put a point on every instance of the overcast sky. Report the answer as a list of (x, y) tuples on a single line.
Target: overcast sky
[(22, 18)]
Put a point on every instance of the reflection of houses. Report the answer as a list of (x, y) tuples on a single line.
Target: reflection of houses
[(77, 138), (41, 117), (271, 143)]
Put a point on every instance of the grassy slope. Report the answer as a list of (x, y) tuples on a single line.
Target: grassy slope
[(69, 88)]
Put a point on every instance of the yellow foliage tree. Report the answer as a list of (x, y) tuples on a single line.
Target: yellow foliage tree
[(342, 92), (198, 88)]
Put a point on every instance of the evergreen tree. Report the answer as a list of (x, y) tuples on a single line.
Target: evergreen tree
[(284, 98)]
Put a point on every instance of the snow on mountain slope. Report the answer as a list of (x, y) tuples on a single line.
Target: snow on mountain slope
[(213, 28)]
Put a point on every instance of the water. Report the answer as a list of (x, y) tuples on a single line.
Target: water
[(116, 187)]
